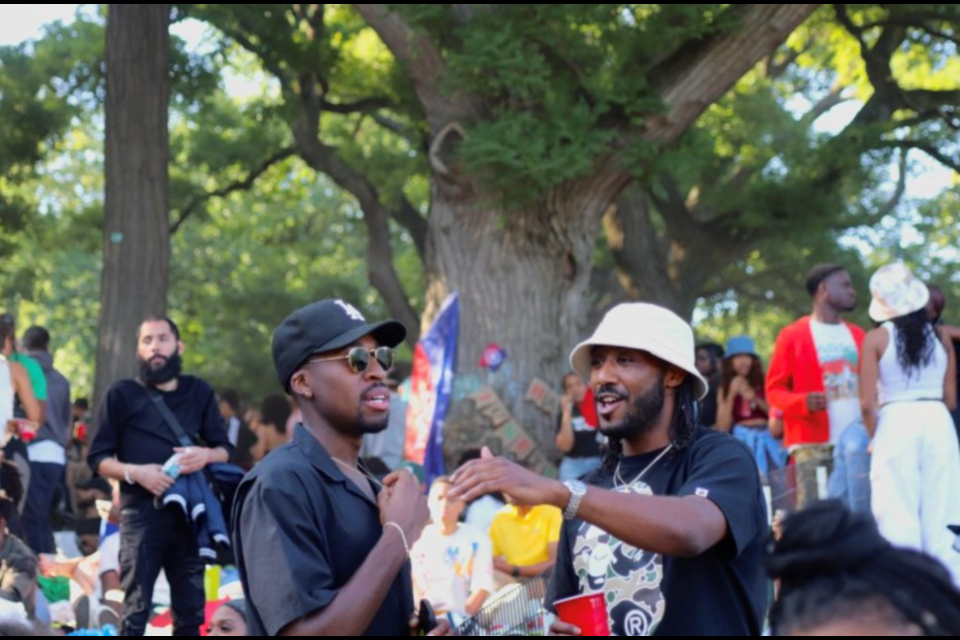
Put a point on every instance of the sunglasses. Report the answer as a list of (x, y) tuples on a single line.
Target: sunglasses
[(359, 358)]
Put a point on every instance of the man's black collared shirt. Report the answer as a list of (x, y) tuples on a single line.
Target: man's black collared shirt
[(301, 531)]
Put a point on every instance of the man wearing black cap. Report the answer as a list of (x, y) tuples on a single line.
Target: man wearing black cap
[(322, 545), (814, 379)]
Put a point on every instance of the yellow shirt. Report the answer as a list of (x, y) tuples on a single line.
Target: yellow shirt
[(524, 540)]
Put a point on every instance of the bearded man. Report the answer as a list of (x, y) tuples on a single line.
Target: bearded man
[(132, 444), (671, 528)]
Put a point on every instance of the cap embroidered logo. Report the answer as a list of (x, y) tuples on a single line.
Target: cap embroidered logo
[(351, 311)]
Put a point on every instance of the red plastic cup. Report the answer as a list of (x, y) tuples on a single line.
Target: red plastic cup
[(28, 430), (588, 613)]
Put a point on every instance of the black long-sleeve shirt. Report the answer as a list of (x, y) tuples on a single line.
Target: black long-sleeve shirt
[(131, 429)]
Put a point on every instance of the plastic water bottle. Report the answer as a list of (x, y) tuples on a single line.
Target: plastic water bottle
[(172, 466)]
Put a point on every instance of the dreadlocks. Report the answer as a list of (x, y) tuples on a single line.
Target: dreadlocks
[(833, 565)]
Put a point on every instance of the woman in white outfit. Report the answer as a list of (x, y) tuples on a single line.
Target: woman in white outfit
[(907, 383)]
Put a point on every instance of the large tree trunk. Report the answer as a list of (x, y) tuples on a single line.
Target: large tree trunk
[(524, 282), (136, 252), (668, 261), (524, 276)]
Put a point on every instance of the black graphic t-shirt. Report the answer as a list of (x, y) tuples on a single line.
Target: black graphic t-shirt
[(721, 592), (586, 439)]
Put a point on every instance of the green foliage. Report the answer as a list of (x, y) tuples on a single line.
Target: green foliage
[(796, 193), (554, 149), (563, 82), (560, 84), (237, 271), (239, 264), (252, 261)]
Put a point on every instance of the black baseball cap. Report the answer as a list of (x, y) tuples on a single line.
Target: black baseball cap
[(322, 327)]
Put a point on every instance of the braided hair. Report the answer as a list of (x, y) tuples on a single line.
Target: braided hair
[(834, 565)]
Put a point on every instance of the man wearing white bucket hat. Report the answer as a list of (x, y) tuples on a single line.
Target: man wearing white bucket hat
[(674, 517), (915, 473)]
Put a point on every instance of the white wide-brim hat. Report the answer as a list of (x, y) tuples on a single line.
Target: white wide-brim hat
[(896, 293), (644, 327)]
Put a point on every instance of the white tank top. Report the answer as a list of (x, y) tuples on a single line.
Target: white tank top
[(925, 383), (6, 393)]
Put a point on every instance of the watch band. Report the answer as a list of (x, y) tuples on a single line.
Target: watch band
[(578, 491)]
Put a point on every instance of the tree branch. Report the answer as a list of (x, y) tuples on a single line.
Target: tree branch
[(367, 105), (323, 158), (416, 225), (844, 18), (925, 15), (915, 23), (240, 185), (667, 266), (929, 149), (271, 65), (382, 273), (674, 209), (933, 103), (311, 17), (632, 241), (702, 72), (776, 68), (876, 58), (398, 128), (898, 192), (833, 99), (414, 49)]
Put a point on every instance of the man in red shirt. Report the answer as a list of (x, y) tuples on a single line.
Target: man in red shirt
[(814, 377)]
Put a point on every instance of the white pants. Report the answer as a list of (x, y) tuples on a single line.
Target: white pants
[(915, 477)]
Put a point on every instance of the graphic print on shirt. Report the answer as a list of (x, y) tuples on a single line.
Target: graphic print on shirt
[(629, 577), (841, 363), (840, 378)]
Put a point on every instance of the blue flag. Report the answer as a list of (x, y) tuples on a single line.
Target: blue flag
[(434, 364)]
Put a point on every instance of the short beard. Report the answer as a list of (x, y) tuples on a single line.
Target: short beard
[(643, 416), (846, 308), (154, 377), (366, 427)]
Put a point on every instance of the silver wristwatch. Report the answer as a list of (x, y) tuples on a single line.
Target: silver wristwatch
[(577, 491)]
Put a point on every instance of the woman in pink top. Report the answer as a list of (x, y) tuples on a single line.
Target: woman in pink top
[(742, 407)]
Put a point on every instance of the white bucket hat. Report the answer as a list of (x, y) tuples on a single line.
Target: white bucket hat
[(896, 293), (644, 327)]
